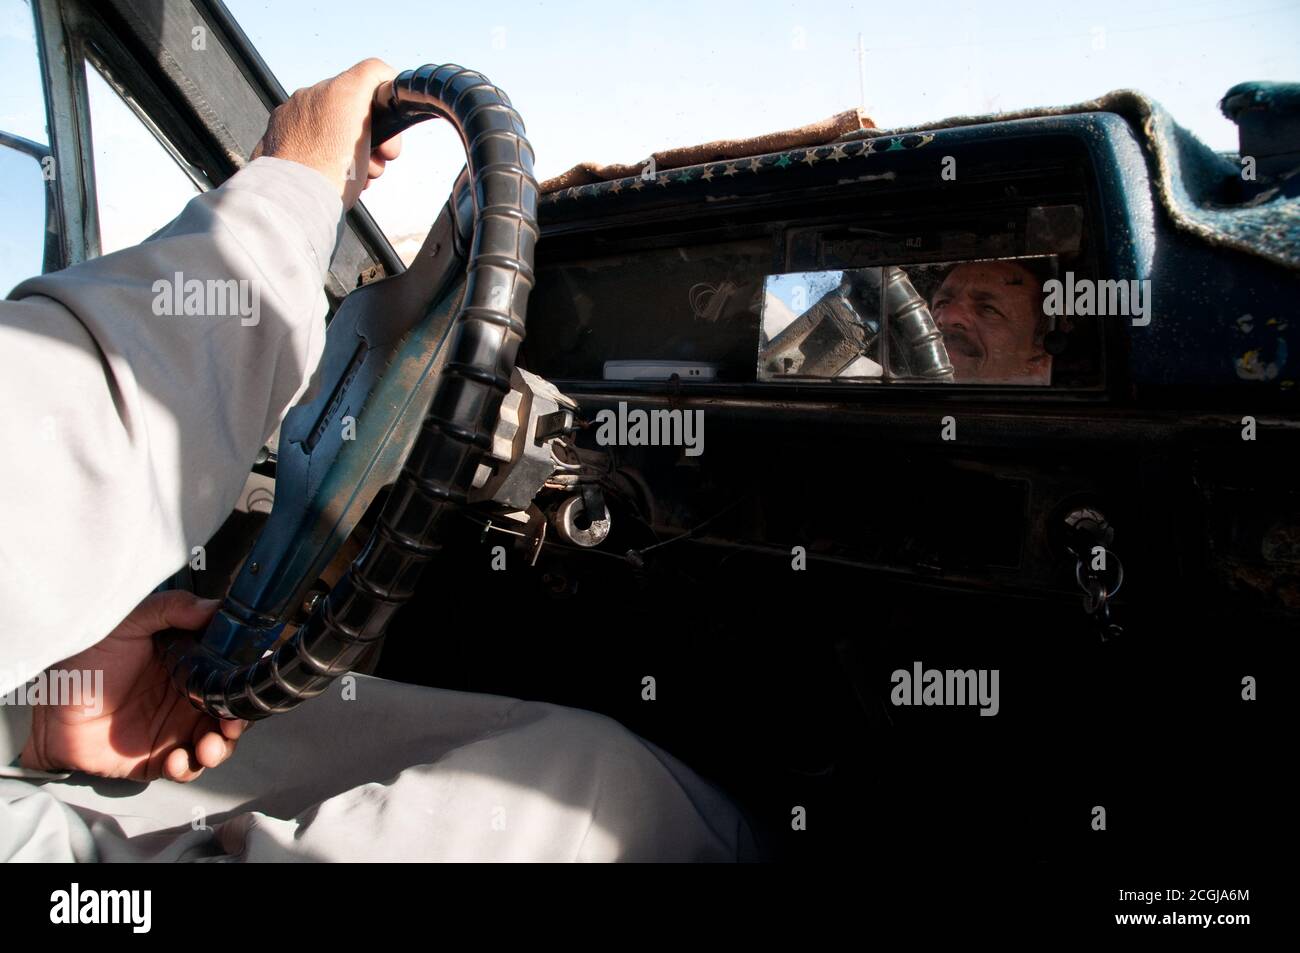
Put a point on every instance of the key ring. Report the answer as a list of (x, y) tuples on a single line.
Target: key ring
[(1095, 596), (1106, 595)]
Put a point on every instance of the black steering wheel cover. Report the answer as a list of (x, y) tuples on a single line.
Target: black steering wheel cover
[(456, 432)]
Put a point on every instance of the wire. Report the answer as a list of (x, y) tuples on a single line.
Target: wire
[(691, 532)]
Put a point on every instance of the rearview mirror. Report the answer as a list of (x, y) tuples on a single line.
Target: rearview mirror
[(28, 235)]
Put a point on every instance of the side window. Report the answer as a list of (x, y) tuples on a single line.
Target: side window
[(139, 185), (25, 164)]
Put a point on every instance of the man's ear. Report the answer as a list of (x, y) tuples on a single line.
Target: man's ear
[(1040, 365), (1041, 328)]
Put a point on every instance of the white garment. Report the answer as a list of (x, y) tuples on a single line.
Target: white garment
[(375, 770), (128, 435)]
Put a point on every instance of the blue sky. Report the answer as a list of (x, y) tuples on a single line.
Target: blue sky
[(615, 82)]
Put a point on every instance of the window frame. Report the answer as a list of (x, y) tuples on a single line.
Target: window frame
[(207, 108)]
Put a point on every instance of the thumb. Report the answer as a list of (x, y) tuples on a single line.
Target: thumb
[(173, 609)]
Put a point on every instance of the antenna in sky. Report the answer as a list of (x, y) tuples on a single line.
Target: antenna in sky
[(862, 75)]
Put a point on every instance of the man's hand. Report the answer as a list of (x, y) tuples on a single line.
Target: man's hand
[(142, 728), (326, 127)]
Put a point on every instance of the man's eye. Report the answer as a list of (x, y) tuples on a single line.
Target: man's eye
[(989, 309)]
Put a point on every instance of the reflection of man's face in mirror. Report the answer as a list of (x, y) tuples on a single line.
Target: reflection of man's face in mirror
[(991, 316)]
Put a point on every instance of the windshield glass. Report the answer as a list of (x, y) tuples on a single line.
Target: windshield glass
[(616, 85)]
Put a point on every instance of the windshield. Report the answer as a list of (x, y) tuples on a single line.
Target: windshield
[(616, 84)]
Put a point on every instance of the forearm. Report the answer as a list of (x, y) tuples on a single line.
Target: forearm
[(139, 388)]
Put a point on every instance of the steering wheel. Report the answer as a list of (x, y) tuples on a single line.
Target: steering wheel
[(418, 365)]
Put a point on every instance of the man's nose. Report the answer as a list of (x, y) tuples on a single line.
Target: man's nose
[(952, 316)]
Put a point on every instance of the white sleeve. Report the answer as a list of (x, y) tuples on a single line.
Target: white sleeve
[(135, 392)]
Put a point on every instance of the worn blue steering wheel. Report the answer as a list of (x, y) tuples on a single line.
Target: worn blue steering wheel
[(420, 362)]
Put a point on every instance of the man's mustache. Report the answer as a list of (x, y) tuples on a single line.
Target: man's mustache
[(961, 342)]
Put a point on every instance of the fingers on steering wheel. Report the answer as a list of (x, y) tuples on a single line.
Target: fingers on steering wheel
[(382, 154), (207, 748), (180, 765), (233, 729), (173, 609), (388, 151), (212, 749), (209, 745)]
